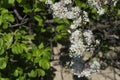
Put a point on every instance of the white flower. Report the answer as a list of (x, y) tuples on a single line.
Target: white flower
[(67, 1), (75, 9), (88, 36), (101, 11), (115, 2), (48, 2), (93, 2), (78, 21), (55, 6), (97, 5), (85, 16), (86, 73), (73, 26), (70, 15), (95, 66), (69, 31), (76, 37)]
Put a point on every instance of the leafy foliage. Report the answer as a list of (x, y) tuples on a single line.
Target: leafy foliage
[(23, 50), (26, 30)]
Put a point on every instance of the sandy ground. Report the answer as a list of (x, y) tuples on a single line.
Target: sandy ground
[(62, 74)]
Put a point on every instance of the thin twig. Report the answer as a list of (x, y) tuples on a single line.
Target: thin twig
[(24, 19), (17, 14), (19, 24), (49, 21)]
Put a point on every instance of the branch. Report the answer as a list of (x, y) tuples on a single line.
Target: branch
[(20, 24), (49, 21), (17, 14)]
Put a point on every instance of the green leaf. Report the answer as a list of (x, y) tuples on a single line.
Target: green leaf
[(36, 53), (14, 50), (1, 20), (8, 38), (29, 56), (5, 25), (59, 21), (43, 30), (41, 46), (4, 79), (44, 64), (60, 28), (42, 0), (94, 10), (19, 1), (1, 47), (27, 8), (78, 2), (58, 36), (1, 43), (40, 72), (3, 63), (36, 60), (21, 78), (37, 10), (18, 72), (17, 49), (11, 1), (10, 18), (66, 21), (32, 74), (2, 50), (4, 11), (119, 12), (47, 56), (39, 19), (17, 36), (29, 37)]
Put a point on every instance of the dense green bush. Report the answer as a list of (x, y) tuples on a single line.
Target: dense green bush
[(26, 33), (24, 40)]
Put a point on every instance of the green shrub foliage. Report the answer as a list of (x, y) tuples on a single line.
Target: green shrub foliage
[(25, 39)]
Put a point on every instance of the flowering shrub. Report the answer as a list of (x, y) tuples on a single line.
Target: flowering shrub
[(82, 39), (28, 29)]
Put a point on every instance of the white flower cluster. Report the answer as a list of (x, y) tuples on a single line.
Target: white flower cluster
[(115, 2), (111, 1), (81, 40), (61, 11), (77, 47), (97, 5), (81, 43), (67, 1), (80, 20), (95, 66), (48, 2), (88, 36)]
